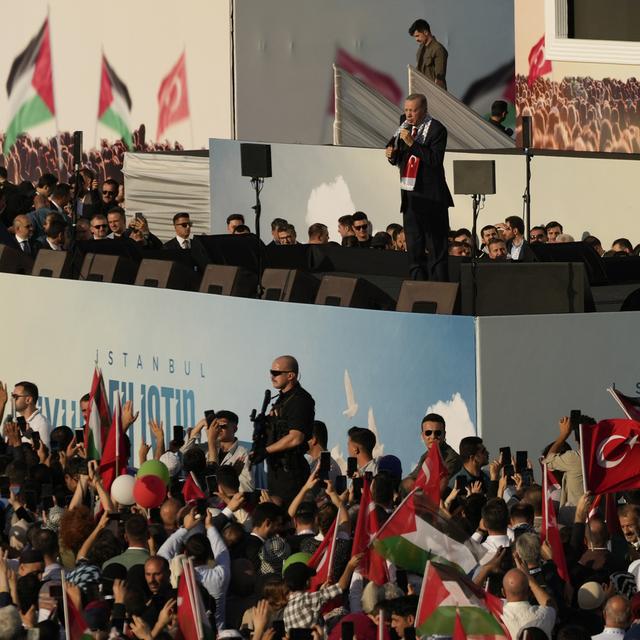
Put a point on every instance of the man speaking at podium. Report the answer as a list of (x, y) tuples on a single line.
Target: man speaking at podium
[(417, 148)]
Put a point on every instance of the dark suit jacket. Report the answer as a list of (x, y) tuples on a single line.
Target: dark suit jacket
[(252, 547), (526, 252), (430, 181), (34, 247), (173, 244)]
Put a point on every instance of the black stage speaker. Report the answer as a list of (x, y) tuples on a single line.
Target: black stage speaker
[(289, 285), (107, 268), (632, 302), (165, 274), (474, 177), (337, 291), (229, 281), (356, 260), (527, 132), (52, 264), (573, 252), (237, 251), (428, 297), (255, 160), (505, 289), (14, 260)]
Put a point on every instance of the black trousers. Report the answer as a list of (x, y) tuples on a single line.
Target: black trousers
[(426, 226)]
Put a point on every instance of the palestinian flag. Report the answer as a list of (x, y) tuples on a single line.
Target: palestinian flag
[(449, 599), (114, 106), (30, 88), (95, 433), (416, 533)]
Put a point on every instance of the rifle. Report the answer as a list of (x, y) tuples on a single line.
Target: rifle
[(260, 421)]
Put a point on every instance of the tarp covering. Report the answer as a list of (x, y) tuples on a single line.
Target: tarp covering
[(364, 117), (467, 130), (160, 185)]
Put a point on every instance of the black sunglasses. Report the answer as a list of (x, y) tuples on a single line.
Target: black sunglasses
[(437, 433), (361, 227), (275, 374)]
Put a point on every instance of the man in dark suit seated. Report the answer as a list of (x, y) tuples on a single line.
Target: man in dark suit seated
[(182, 224), (23, 229), (266, 518), (54, 236)]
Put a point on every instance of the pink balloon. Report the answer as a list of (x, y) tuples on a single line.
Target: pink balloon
[(149, 491)]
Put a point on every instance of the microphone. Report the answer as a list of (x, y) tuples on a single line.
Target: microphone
[(405, 125)]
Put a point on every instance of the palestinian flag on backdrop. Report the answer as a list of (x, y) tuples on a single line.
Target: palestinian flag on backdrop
[(114, 107), (30, 88), (416, 532), (99, 421), (448, 597)]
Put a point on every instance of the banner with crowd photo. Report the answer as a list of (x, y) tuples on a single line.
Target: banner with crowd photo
[(575, 105), (176, 354), (147, 76)]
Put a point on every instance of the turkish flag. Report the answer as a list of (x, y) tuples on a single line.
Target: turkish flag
[(610, 455), (372, 566), (538, 64), (549, 529), (431, 474), (173, 101)]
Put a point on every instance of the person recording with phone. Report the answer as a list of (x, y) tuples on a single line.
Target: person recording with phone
[(417, 149), (288, 431), (25, 397)]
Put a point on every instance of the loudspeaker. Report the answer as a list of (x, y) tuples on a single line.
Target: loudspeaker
[(332, 257), (289, 285), (52, 264), (14, 260), (229, 281), (105, 268), (573, 252), (428, 297), (504, 288), (255, 160), (237, 251), (165, 274), (474, 177), (632, 302), (337, 291), (527, 132)]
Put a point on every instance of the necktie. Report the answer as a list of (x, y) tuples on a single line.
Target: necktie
[(25, 247), (414, 131), (186, 244)]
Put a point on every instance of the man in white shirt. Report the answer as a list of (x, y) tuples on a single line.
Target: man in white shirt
[(117, 222), (617, 617), (494, 523), (25, 395), (23, 228), (360, 444), (54, 236), (99, 227), (517, 612)]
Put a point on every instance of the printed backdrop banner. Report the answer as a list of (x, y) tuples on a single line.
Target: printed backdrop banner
[(176, 354)]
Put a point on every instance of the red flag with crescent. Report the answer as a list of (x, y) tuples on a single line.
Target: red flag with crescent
[(538, 64), (611, 455), (173, 101), (409, 173)]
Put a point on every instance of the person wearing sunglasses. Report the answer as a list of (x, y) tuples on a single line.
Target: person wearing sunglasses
[(109, 194), (288, 430), (182, 224), (433, 430), (362, 229), (99, 227)]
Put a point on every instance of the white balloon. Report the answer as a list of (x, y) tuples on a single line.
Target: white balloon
[(122, 490)]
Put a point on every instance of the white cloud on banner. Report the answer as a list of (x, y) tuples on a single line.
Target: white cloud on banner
[(326, 204), (456, 416)]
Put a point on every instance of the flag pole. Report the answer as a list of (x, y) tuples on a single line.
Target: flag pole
[(611, 390), (65, 607), (195, 600), (545, 504), (118, 408), (584, 475)]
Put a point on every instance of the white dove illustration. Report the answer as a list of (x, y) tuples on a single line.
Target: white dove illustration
[(352, 405)]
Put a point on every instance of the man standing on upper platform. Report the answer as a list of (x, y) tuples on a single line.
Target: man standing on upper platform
[(431, 57)]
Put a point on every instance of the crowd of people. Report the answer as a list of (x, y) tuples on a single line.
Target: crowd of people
[(40, 217), (582, 114), (31, 158), (64, 533)]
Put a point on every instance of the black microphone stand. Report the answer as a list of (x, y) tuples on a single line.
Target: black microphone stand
[(476, 199), (258, 184)]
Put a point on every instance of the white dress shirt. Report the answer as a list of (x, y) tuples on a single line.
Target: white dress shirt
[(184, 244), (609, 633), (39, 423), (519, 615)]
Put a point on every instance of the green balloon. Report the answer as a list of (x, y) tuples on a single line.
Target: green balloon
[(154, 468)]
